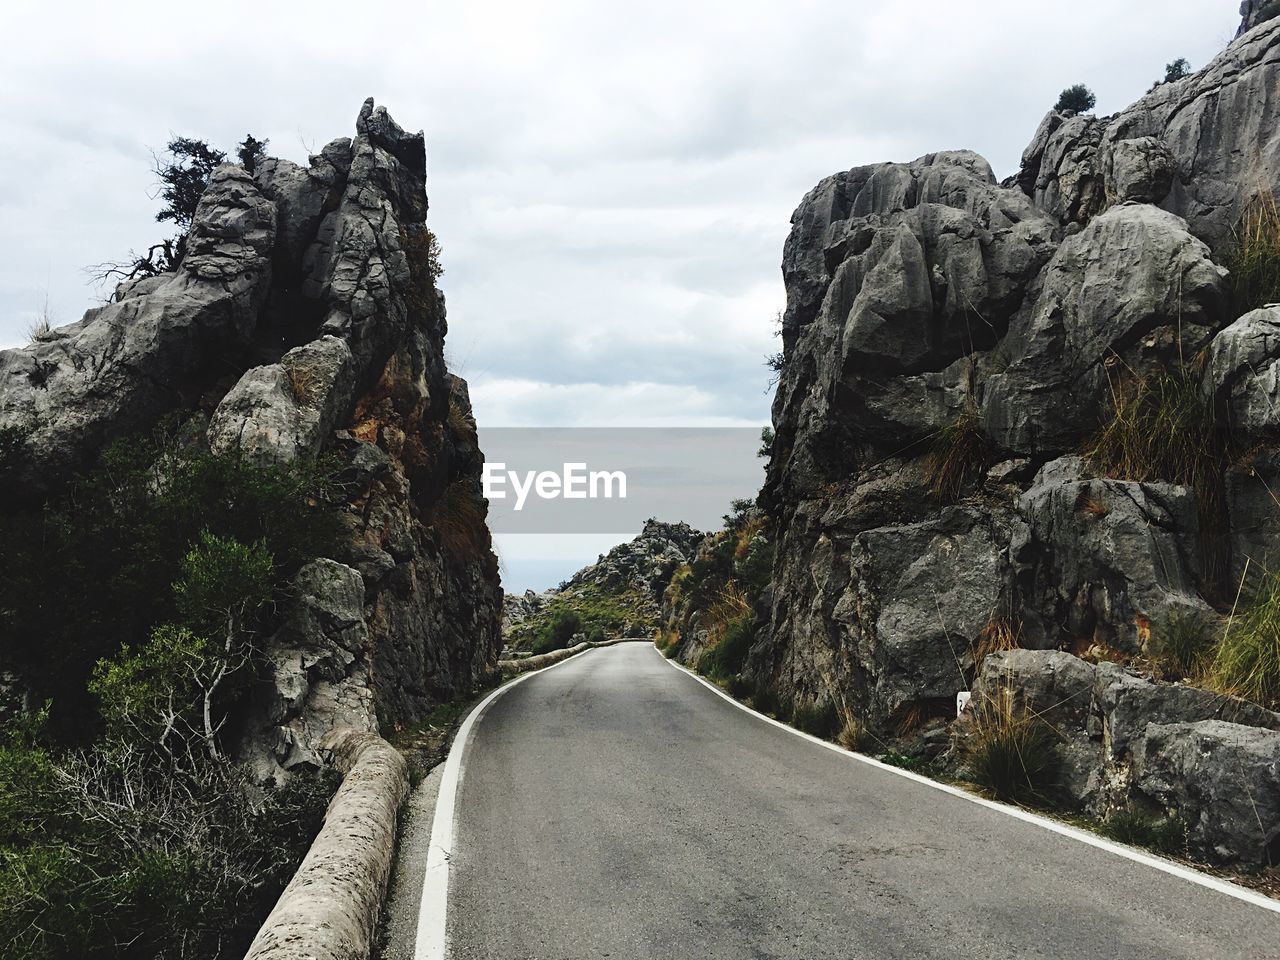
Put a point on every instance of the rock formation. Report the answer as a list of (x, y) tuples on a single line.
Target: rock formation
[(926, 302), (305, 318)]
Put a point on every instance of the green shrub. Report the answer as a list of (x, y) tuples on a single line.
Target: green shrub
[(1253, 256), (1008, 751), (137, 861), (765, 700), (556, 633), (959, 454), (596, 634), (903, 761), (1155, 832), (727, 656), (1247, 663), (90, 572), (1077, 98)]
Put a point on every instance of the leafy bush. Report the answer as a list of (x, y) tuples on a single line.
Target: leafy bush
[(959, 454), (90, 571), (132, 861), (1077, 98), (1155, 832), (1253, 256), (1008, 750), (558, 632), (1247, 663), (1177, 70)]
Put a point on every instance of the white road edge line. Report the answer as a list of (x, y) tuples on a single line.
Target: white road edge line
[(1129, 853), (432, 941)]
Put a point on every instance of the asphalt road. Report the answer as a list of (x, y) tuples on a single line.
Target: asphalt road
[(614, 807)]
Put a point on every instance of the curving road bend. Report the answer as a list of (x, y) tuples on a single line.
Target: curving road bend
[(613, 806)]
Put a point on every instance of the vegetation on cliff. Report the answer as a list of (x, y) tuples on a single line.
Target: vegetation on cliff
[(125, 829)]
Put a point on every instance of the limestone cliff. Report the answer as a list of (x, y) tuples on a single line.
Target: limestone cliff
[(952, 345), (305, 319)]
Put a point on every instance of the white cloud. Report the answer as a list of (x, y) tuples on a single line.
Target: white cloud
[(611, 182)]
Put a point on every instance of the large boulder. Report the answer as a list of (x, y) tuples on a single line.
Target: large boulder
[(1123, 738), (277, 413), (317, 674), (1132, 271), (1103, 560), (126, 363), (1243, 375), (1222, 779)]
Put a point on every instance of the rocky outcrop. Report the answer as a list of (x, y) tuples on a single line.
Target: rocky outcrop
[(1208, 759), (157, 347), (305, 320), (952, 346), (624, 585), (1200, 147)]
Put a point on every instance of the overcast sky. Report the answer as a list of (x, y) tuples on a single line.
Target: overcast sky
[(611, 182)]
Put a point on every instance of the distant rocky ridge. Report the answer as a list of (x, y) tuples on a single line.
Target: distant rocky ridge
[(925, 300), (629, 580), (303, 318)]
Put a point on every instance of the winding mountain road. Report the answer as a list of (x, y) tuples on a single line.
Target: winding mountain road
[(614, 806)]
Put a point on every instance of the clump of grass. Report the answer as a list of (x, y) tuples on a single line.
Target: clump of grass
[(959, 454), (1008, 750), (667, 641), (853, 735), (1180, 644), (818, 718), (1247, 663), (304, 384), (903, 761), (1162, 427), (1140, 829), (727, 656), (1253, 256), (1000, 633), (1092, 508), (765, 699)]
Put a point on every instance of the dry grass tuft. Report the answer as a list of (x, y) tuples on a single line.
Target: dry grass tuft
[(959, 454), (1092, 508), (1253, 256), (304, 384), (1000, 633), (1008, 750)]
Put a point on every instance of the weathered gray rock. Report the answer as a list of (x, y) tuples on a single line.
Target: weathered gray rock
[(1133, 271), (1243, 374), (1253, 517), (1103, 560), (1222, 779), (317, 675), (1140, 169), (287, 410), (1254, 12), (125, 364), (1125, 738), (917, 599)]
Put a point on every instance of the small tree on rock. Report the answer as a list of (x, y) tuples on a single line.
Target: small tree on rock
[(1176, 70), (251, 151), (1077, 98)]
